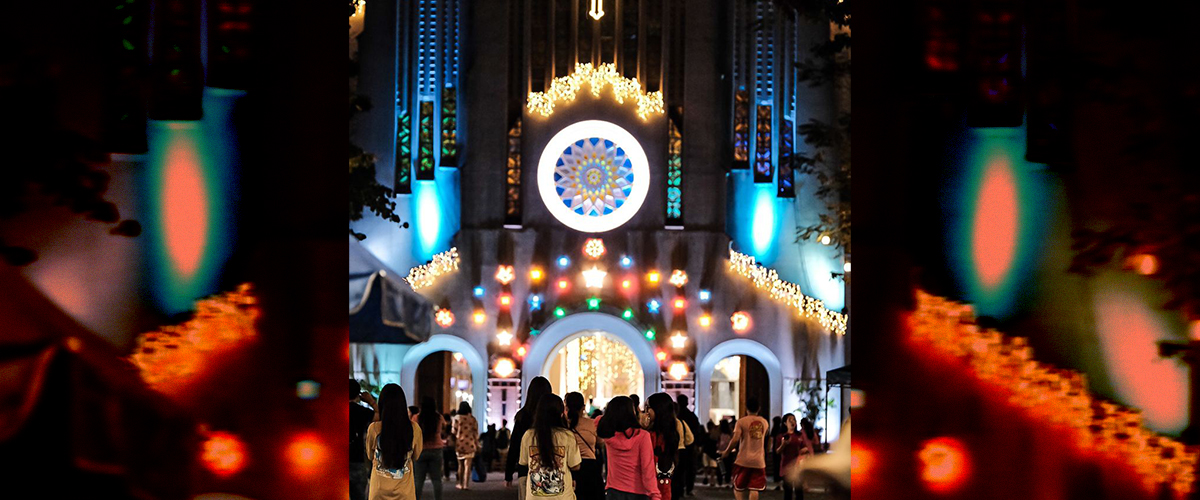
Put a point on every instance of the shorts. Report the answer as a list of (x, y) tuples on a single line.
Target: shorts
[(749, 478)]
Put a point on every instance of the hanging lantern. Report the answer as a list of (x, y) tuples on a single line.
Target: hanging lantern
[(505, 274), (740, 321), (444, 318), (678, 370), (504, 367), (594, 248)]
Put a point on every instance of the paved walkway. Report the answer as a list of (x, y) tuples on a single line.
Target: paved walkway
[(493, 489)]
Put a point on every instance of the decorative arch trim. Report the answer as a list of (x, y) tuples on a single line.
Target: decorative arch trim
[(443, 342), (746, 347), (563, 329)]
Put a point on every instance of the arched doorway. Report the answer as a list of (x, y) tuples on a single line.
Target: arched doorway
[(449, 344), (736, 379), (446, 377), (772, 405), (596, 364), (558, 334)]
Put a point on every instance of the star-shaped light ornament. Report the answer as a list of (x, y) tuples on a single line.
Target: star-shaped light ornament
[(594, 277), (505, 274), (678, 278)]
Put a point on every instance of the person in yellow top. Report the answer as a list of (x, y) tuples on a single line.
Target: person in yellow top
[(550, 452), (392, 442)]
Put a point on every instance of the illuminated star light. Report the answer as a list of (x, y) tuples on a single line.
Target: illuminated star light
[(678, 340), (594, 277), (653, 305), (678, 278), (678, 370), (503, 337), (444, 317)]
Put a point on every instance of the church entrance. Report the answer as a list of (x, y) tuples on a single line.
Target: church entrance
[(598, 365)]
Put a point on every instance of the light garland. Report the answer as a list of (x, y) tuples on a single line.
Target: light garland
[(171, 357), (566, 88), (1058, 396), (787, 292), (424, 275)]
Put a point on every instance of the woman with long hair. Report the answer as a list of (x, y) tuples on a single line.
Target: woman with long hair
[(664, 435), (725, 464), (792, 447), (523, 420), (630, 453), (548, 449), (430, 461), (588, 483), (466, 431), (391, 443)]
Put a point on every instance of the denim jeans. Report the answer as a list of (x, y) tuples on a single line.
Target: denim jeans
[(612, 494), (430, 463)]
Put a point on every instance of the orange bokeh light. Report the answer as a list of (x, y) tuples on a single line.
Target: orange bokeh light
[(661, 355), (479, 317), (861, 460), (653, 276), (184, 209), (521, 351), (680, 303), (1143, 263), (307, 454), (626, 284), (705, 320), (223, 454), (505, 299), (994, 243), (1194, 329), (535, 274), (944, 464)]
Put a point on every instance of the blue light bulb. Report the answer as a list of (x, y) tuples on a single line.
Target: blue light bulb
[(626, 261), (653, 305), (564, 261), (705, 295), (479, 291), (535, 302)]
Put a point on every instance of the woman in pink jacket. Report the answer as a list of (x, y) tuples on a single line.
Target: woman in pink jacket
[(630, 453)]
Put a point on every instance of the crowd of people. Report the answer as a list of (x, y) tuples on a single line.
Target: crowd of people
[(557, 449)]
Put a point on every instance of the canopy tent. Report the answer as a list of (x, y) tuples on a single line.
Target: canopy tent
[(384, 308), (78, 421)]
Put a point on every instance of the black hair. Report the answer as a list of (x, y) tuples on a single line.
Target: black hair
[(752, 405), (724, 426), (429, 419), (637, 402), (783, 425), (574, 402), (682, 399), (355, 389), (395, 428), (413, 411), (807, 425), (464, 408), (549, 418), (538, 387), (664, 426), (618, 417)]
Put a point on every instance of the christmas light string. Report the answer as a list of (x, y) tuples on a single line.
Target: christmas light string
[(566, 88), (1057, 396), (442, 263), (786, 292)]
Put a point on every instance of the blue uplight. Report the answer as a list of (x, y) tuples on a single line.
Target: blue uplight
[(705, 295), (653, 305), (564, 261), (626, 262), (535, 302), (479, 291)]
